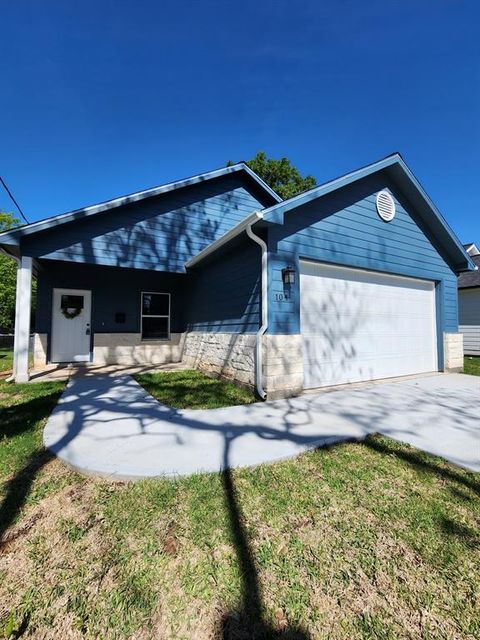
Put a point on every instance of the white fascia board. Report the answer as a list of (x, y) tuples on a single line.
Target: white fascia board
[(227, 237)]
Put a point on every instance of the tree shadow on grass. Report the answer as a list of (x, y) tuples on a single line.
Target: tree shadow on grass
[(16, 420), (17, 490), (464, 533), (249, 621), (426, 463)]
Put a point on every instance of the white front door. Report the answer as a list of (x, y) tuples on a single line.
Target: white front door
[(364, 325), (71, 325)]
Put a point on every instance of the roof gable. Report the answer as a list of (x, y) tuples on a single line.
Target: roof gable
[(400, 175), (159, 233), (396, 169), (241, 169)]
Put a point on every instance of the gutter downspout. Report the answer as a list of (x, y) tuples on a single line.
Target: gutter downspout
[(258, 343), (17, 305)]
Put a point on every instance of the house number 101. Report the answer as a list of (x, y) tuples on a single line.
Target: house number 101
[(281, 296)]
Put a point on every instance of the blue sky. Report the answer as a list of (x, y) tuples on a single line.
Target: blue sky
[(103, 98)]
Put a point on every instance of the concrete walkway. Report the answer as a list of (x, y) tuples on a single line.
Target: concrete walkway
[(110, 426)]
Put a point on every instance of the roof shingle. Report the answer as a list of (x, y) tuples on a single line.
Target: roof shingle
[(470, 278)]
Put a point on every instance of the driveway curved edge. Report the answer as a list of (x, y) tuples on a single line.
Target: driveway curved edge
[(110, 426)]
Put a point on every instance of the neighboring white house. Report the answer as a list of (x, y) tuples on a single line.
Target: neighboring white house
[(469, 304)]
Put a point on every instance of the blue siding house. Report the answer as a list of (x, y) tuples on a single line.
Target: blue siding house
[(353, 280)]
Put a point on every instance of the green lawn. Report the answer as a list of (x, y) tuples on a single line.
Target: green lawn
[(472, 365), (361, 541), (6, 359), (23, 411), (193, 390)]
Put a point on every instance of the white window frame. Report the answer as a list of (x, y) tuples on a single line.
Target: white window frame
[(142, 316)]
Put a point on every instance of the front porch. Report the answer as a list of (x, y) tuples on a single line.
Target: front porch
[(102, 319), (98, 318)]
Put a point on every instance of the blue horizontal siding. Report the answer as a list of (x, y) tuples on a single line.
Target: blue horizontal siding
[(225, 293), (221, 296), (344, 228), (114, 290), (160, 233)]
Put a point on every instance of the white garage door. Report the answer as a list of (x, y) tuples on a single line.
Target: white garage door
[(363, 325)]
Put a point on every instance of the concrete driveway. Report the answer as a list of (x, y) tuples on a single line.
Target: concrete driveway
[(110, 426)]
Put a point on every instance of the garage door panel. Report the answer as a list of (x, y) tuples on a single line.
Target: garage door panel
[(324, 372), (359, 325)]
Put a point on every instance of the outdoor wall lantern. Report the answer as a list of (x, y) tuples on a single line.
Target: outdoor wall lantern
[(288, 275)]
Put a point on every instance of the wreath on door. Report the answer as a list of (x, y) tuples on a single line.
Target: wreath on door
[(71, 306), (71, 312)]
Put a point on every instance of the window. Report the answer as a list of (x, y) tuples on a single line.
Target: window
[(71, 302), (155, 316)]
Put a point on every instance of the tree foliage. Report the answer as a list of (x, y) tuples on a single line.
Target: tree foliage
[(280, 175), (8, 278)]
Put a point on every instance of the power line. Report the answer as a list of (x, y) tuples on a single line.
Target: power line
[(13, 199)]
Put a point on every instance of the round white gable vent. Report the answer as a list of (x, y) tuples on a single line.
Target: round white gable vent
[(385, 206)]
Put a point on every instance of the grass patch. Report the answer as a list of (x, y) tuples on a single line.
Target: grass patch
[(193, 390), (24, 409), (359, 541), (6, 362), (472, 365), (6, 359)]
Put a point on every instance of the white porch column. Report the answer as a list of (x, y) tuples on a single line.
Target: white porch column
[(22, 320), (17, 323)]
